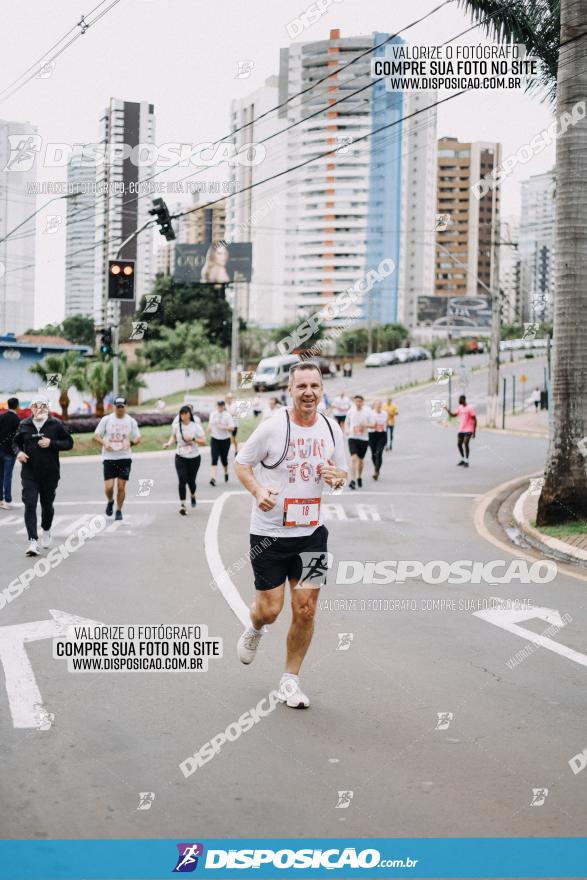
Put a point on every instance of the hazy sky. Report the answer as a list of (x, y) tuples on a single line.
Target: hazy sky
[(182, 55)]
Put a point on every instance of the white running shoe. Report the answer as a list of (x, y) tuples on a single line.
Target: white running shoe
[(290, 693), (33, 549), (46, 540), (248, 644), (5, 505)]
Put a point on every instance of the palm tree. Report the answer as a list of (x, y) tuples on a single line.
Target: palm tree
[(98, 380), (555, 32), (433, 347), (61, 371)]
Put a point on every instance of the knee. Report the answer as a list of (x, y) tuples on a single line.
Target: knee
[(304, 612), (269, 611)]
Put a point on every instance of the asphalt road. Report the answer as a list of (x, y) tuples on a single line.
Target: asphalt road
[(90, 743)]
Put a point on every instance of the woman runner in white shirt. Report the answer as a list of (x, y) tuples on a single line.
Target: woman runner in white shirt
[(187, 434)]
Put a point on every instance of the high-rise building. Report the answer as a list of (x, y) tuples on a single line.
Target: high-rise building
[(509, 271), (466, 262), (80, 235), (123, 204), (258, 215), (18, 201), (316, 231), (537, 246)]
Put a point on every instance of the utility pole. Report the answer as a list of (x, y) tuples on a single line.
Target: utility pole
[(116, 350), (234, 340)]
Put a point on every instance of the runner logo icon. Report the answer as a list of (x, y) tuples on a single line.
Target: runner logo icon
[(187, 860)]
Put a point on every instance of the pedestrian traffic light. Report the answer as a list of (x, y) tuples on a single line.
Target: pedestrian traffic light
[(161, 212), (106, 341), (121, 279)]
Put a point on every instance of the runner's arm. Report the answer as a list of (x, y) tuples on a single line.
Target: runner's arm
[(261, 494), (64, 441), (474, 426)]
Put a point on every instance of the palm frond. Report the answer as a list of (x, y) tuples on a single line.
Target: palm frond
[(535, 23)]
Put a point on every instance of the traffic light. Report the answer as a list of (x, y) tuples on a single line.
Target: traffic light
[(106, 341), (161, 212), (121, 279)]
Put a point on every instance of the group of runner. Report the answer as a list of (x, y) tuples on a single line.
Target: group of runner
[(366, 427)]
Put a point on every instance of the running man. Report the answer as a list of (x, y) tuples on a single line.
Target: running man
[(37, 444), (467, 428), (187, 434), (357, 430), (293, 455), (377, 436), (270, 410), (340, 407), (391, 409), (117, 433), (221, 426), (232, 409)]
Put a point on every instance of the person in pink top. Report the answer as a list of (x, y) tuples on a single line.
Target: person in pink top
[(467, 428)]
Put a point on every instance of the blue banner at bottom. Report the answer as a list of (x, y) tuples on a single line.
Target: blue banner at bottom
[(281, 857)]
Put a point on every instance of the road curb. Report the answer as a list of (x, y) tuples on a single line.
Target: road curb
[(566, 565), (546, 542)]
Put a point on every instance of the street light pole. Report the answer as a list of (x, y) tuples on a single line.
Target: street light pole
[(234, 340)]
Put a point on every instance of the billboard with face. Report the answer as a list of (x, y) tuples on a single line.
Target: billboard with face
[(465, 312), (217, 263)]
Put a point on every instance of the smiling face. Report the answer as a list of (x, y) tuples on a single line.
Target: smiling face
[(305, 388)]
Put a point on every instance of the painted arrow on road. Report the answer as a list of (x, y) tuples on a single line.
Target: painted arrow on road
[(509, 618), (24, 698)]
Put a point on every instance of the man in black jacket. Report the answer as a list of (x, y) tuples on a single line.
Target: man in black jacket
[(37, 445), (9, 422)]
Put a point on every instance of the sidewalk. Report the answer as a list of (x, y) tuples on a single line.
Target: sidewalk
[(527, 422), (570, 541)]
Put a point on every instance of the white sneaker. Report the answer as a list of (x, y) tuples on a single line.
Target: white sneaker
[(5, 505), (290, 693), (248, 644), (46, 540), (33, 549)]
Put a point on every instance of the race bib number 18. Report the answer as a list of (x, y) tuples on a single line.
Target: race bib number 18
[(301, 511)]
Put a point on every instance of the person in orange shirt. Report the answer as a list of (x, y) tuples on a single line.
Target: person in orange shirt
[(391, 409)]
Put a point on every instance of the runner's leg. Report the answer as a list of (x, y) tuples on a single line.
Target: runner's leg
[(120, 493), (267, 606), (30, 495), (301, 630), (109, 489), (47, 497)]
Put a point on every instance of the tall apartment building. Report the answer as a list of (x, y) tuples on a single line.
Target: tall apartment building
[(18, 201), (258, 215), (316, 231), (121, 206), (466, 263), (80, 235), (510, 271), (537, 246)]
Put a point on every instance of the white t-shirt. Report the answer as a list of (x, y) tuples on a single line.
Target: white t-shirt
[(297, 477), (232, 408), (119, 433), (186, 444), (221, 425), (340, 406), (378, 421), (357, 423)]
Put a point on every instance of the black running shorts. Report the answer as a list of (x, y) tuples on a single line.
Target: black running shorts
[(117, 468), (358, 447), (280, 560)]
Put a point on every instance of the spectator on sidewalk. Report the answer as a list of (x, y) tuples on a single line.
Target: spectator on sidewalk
[(9, 422), (535, 398)]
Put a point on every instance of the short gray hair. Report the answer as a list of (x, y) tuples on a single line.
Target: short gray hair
[(303, 365)]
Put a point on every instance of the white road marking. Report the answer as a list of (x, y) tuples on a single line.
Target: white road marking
[(508, 619), (214, 559), (24, 698)]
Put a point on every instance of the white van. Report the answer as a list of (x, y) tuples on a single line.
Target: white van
[(273, 372)]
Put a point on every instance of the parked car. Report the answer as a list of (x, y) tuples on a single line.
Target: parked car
[(273, 372), (402, 355), (417, 353), (446, 351), (375, 360), (389, 357)]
